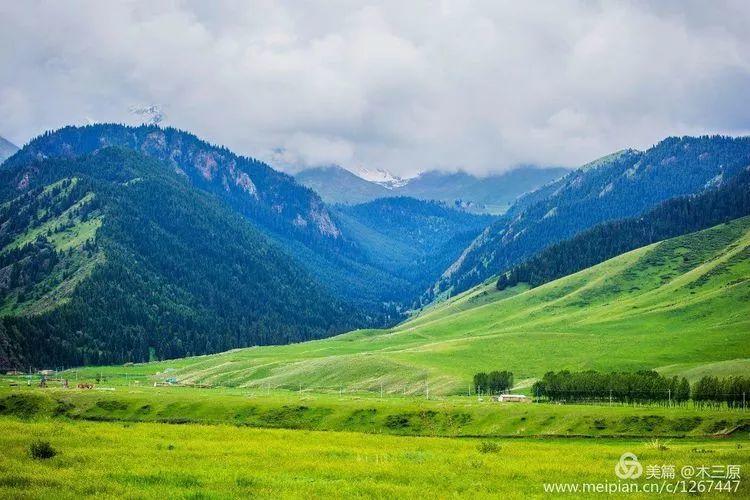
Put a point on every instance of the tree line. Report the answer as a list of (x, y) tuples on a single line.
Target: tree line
[(646, 386), (494, 382), (714, 391)]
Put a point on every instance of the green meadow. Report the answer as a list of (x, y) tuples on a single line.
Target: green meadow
[(146, 460), (681, 306)]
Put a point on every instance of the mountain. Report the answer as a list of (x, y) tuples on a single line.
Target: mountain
[(490, 194), (621, 185), (412, 239), (113, 256), (290, 215), (338, 185), (678, 306), (293, 216), (677, 216), (7, 149), (269, 198)]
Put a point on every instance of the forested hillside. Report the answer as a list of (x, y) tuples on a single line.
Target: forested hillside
[(412, 239), (269, 198), (618, 186), (290, 214), (730, 200), (115, 257)]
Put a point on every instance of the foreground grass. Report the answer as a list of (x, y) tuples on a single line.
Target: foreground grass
[(147, 460)]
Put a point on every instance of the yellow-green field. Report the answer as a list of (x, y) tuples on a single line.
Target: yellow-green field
[(147, 460)]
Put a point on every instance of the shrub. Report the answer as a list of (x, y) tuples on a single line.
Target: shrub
[(488, 447), (41, 450)]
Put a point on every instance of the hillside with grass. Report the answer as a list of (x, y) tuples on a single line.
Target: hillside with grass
[(620, 185), (677, 305)]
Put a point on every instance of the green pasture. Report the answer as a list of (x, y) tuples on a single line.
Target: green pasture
[(148, 460)]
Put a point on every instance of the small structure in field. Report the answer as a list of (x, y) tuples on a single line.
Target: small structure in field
[(512, 398)]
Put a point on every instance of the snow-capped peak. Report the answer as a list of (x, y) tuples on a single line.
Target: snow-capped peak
[(380, 176)]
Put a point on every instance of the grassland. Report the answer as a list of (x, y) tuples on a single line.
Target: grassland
[(681, 306), (452, 416), (193, 461)]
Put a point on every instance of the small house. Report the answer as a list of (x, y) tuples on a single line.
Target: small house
[(512, 398)]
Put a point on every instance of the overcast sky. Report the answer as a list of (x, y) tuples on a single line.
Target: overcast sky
[(404, 85)]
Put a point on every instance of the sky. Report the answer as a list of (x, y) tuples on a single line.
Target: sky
[(404, 86)]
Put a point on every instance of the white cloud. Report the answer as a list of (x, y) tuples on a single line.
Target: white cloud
[(406, 86)]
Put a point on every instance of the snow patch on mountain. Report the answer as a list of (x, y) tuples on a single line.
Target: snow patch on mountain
[(381, 176)]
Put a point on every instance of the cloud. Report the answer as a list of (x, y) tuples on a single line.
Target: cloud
[(406, 86)]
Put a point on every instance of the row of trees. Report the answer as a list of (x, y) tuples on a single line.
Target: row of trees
[(641, 387), (624, 387), (713, 391), (494, 382)]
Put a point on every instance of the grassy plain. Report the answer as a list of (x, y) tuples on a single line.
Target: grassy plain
[(147, 460)]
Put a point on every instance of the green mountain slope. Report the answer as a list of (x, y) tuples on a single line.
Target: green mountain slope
[(674, 217), (409, 238), (115, 257), (625, 184), (676, 305)]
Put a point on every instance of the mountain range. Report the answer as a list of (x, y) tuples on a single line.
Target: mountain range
[(489, 194), (113, 256), (133, 243), (193, 249)]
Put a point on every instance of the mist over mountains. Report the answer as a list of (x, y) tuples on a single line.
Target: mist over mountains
[(489, 194)]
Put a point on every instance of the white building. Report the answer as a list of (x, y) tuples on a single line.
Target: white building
[(512, 398)]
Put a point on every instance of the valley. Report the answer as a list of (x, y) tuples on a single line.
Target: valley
[(674, 305)]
